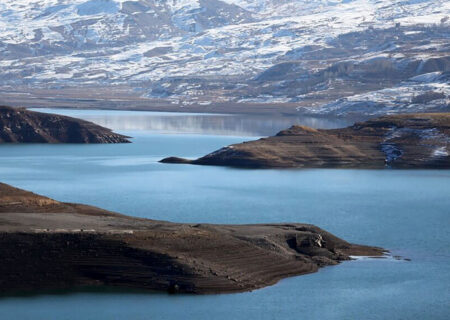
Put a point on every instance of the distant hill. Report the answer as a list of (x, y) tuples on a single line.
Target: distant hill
[(333, 57), (399, 141), (18, 125)]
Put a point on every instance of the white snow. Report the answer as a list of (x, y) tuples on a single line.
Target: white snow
[(243, 49), (440, 152), (437, 141), (427, 77)]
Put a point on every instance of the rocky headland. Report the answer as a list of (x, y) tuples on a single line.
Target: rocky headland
[(46, 244), (18, 125), (396, 141)]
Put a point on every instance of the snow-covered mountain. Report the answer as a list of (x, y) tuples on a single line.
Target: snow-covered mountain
[(317, 55)]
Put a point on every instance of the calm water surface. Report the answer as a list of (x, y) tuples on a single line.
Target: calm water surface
[(406, 212)]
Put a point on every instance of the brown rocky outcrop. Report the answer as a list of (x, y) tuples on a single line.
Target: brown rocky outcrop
[(398, 141), (18, 125), (46, 244)]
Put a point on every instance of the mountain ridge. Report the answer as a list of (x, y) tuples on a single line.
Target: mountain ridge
[(195, 52)]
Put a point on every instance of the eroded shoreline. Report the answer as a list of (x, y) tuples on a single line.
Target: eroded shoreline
[(411, 141), (49, 245)]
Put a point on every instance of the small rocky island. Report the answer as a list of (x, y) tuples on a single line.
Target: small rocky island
[(397, 141), (18, 125), (46, 244)]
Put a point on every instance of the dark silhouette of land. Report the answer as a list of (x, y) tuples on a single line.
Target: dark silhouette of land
[(18, 125)]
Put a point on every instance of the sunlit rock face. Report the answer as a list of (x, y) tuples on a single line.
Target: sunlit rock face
[(327, 56), (414, 141)]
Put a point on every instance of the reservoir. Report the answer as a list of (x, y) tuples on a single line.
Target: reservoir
[(404, 211)]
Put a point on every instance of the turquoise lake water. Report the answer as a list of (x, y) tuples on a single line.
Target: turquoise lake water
[(405, 211)]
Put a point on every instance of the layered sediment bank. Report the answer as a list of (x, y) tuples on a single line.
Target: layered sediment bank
[(46, 244), (398, 141)]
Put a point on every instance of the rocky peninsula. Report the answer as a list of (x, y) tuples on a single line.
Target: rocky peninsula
[(18, 125), (46, 244), (396, 141)]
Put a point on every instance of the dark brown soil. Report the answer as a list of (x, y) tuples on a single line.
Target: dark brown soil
[(18, 125), (399, 141), (46, 244)]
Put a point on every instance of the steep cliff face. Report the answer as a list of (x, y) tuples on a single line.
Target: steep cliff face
[(46, 244), (401, 141), (20, 125)]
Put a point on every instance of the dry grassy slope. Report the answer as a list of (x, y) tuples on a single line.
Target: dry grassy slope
[(402, 141), (46, 244), (21, 125)]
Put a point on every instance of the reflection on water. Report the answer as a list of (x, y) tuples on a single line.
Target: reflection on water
[(405, 211), (217, 124)]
